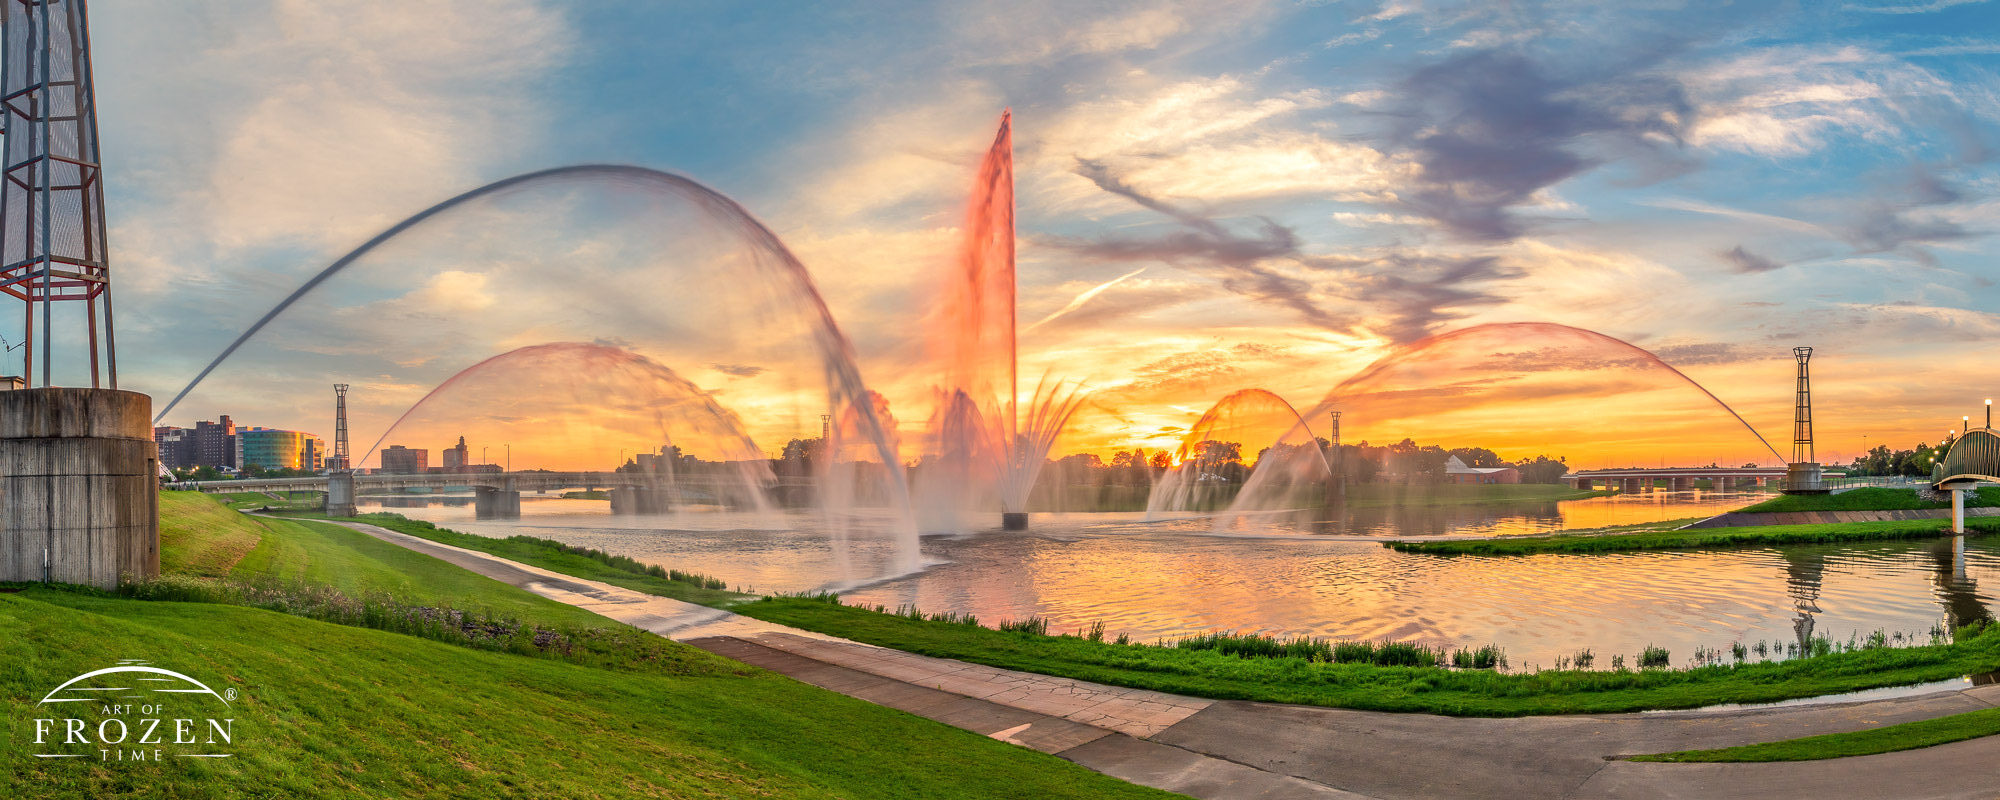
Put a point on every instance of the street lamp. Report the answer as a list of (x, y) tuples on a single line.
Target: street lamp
[(1989, 412)]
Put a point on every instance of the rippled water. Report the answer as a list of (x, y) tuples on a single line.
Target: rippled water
[(1171, 578)]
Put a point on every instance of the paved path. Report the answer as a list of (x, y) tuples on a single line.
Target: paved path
[(1224, 749)]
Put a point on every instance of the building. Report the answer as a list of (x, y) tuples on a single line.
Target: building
[(1455, 471), (176, 446), (453, 458), (12, 382), (272, 448), (400, 460), (215, 444)]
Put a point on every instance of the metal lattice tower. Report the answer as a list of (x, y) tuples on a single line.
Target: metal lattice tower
[(1802, 433), (340, 460), (52, 246)]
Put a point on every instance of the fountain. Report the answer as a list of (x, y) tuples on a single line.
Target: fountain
[(566, 406), (677, 303), (1503, 385), (1211, 464), (980, 448)]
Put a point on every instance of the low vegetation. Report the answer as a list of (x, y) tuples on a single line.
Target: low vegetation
[(1692, 538), (581, 562), (1870, 499), (1211, 672), (1888, 739)]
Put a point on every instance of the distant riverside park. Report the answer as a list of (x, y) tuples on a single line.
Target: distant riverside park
[(991, 547)]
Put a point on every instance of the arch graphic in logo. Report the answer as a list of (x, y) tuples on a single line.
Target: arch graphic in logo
[(134, 712)]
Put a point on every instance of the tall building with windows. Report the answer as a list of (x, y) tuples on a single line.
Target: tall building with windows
[(272, 448), (176, 446), (400, 460), (215, 443)]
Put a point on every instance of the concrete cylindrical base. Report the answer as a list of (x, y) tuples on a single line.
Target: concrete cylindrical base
[(340, 494), (79, 492), (1014, 520)]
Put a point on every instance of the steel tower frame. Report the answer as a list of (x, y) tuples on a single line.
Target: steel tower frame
[(340, 457), (52, 242), (1802, 432)]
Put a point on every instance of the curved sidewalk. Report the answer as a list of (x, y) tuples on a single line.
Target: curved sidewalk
[(1228, 749)]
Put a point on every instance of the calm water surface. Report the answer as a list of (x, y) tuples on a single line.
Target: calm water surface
[(1153, 579)]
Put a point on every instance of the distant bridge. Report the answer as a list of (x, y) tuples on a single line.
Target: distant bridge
[(508, 481), (1679, 479), (499, 493)]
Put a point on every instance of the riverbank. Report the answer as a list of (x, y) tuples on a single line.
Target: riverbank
[(1213, 673), (1384, 686), (1690, 538), (336, 710)]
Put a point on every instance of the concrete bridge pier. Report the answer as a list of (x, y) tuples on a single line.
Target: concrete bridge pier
[(79, 487), (340, 494), (641, 500), (493, 503), (1683, 484), (1958, 511)]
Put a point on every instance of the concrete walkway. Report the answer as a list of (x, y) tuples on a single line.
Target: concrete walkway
[(1226, 749)]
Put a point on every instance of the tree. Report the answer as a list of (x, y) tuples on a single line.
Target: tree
[(1542, 469)]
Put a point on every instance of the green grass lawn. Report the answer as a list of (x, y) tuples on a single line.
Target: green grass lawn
[(332, 711), (336, 711), (1905, 736), (1207, 673), (1870, 499), (553, 555), (1693, 538)]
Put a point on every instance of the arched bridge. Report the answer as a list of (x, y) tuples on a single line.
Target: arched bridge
[(1972, 458)]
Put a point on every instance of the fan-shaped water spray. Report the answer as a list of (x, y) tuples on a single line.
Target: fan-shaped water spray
[(567, 406), (756, 282), (1521, 387), (1247, 436)]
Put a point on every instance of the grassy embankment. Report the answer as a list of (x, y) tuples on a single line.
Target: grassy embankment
[(591, 494), (338, 711), (1439, 690), (1215, 673), (1693, 538), (1870, 499), (581, 562), (1889, 739)]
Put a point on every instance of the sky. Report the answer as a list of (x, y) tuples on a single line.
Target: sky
[(1211, 196)]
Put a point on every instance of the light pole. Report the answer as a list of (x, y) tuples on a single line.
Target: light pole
[(510, 456), (1989, 412)]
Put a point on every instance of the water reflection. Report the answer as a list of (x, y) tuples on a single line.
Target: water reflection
[(1171, 578)]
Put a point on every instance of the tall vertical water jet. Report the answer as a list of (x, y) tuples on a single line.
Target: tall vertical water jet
[(979, 447)]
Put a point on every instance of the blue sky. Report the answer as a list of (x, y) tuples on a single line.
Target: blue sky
[(1302, 185)]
